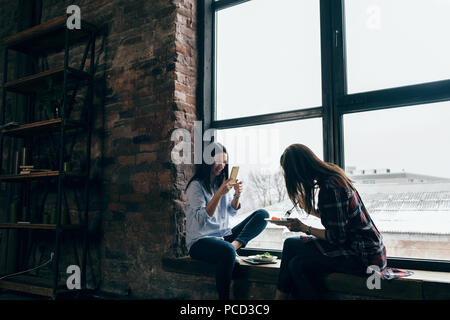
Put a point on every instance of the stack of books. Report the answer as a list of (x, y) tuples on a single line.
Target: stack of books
[(31, 169)]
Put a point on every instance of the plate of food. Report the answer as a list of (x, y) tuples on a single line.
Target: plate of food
[(261, 258), (279, 221)]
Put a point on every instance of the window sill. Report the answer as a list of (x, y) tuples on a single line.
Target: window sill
[(423, 285)]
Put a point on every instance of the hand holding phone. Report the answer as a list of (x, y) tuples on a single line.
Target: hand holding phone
[(234, 173)]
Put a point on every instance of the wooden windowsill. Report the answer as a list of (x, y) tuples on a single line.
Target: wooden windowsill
[(423, 285)]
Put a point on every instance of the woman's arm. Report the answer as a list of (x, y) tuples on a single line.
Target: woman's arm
[(296, 225), (318, 233), (333, 210), (214, 203), (237, 193), (235, 203)]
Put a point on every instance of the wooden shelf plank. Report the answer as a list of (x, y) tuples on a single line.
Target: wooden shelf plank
[(37, 175), (38, 82), (40, 127), (38, 226), (47, 37), (31, 284)]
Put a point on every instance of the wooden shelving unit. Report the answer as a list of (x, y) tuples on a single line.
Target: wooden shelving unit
[(39, 226), (40, 41), (48, 37), (39, 175), (38, 82), (31, 284), (41, 127)]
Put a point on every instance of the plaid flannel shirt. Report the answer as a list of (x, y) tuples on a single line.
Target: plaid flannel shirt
[(348, 227)]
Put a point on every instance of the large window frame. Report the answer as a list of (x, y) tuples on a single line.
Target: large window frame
[(336, 102)]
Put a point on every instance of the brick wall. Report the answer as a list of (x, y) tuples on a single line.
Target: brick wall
[(149, 65), (146, 82)]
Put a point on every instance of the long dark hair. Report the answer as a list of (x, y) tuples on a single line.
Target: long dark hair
[(203, 170), (303, 171)]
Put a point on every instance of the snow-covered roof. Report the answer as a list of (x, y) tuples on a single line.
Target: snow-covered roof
[(417, 208), (397, 175)]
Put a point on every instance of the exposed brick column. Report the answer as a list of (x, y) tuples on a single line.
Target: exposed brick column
[(151, 92), (184, 104)]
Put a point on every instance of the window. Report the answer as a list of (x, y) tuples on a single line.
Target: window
[(409, 200), (396, 43), (408, 139), (375, 101), (267, 58)]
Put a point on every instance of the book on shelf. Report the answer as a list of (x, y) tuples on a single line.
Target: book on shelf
[(26, 167), (10, 125), (29, 171)]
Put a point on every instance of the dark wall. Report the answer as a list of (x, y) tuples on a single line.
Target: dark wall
[(146, 71)]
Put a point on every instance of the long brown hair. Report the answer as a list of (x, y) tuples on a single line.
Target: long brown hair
[(303, 171)]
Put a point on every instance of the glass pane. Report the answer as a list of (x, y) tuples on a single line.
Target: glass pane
[(257, 151), (267, 58), (399, 159), (396, 43)]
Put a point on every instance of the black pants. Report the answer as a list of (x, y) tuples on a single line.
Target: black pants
[(302, 263), (222, 253)]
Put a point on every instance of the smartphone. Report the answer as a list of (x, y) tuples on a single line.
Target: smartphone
[(234, 173)]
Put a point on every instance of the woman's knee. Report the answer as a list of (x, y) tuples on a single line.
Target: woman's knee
[(262, 213), (227, 253), (292, 244)]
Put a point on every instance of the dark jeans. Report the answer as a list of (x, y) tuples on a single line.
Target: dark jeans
[(302, 263), (222, 253)]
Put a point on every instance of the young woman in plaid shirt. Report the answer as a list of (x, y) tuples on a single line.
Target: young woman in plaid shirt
[(350, 241)]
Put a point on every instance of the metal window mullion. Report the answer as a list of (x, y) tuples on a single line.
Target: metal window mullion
[(223, 4), (396, 97), (339, 81), (326, 34), (213, 71), (206, 62), (265, 119)]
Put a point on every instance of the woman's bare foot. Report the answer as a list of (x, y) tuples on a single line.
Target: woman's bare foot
[(236, 244)]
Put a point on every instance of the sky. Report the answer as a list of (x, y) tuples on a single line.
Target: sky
[(269, 61)]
